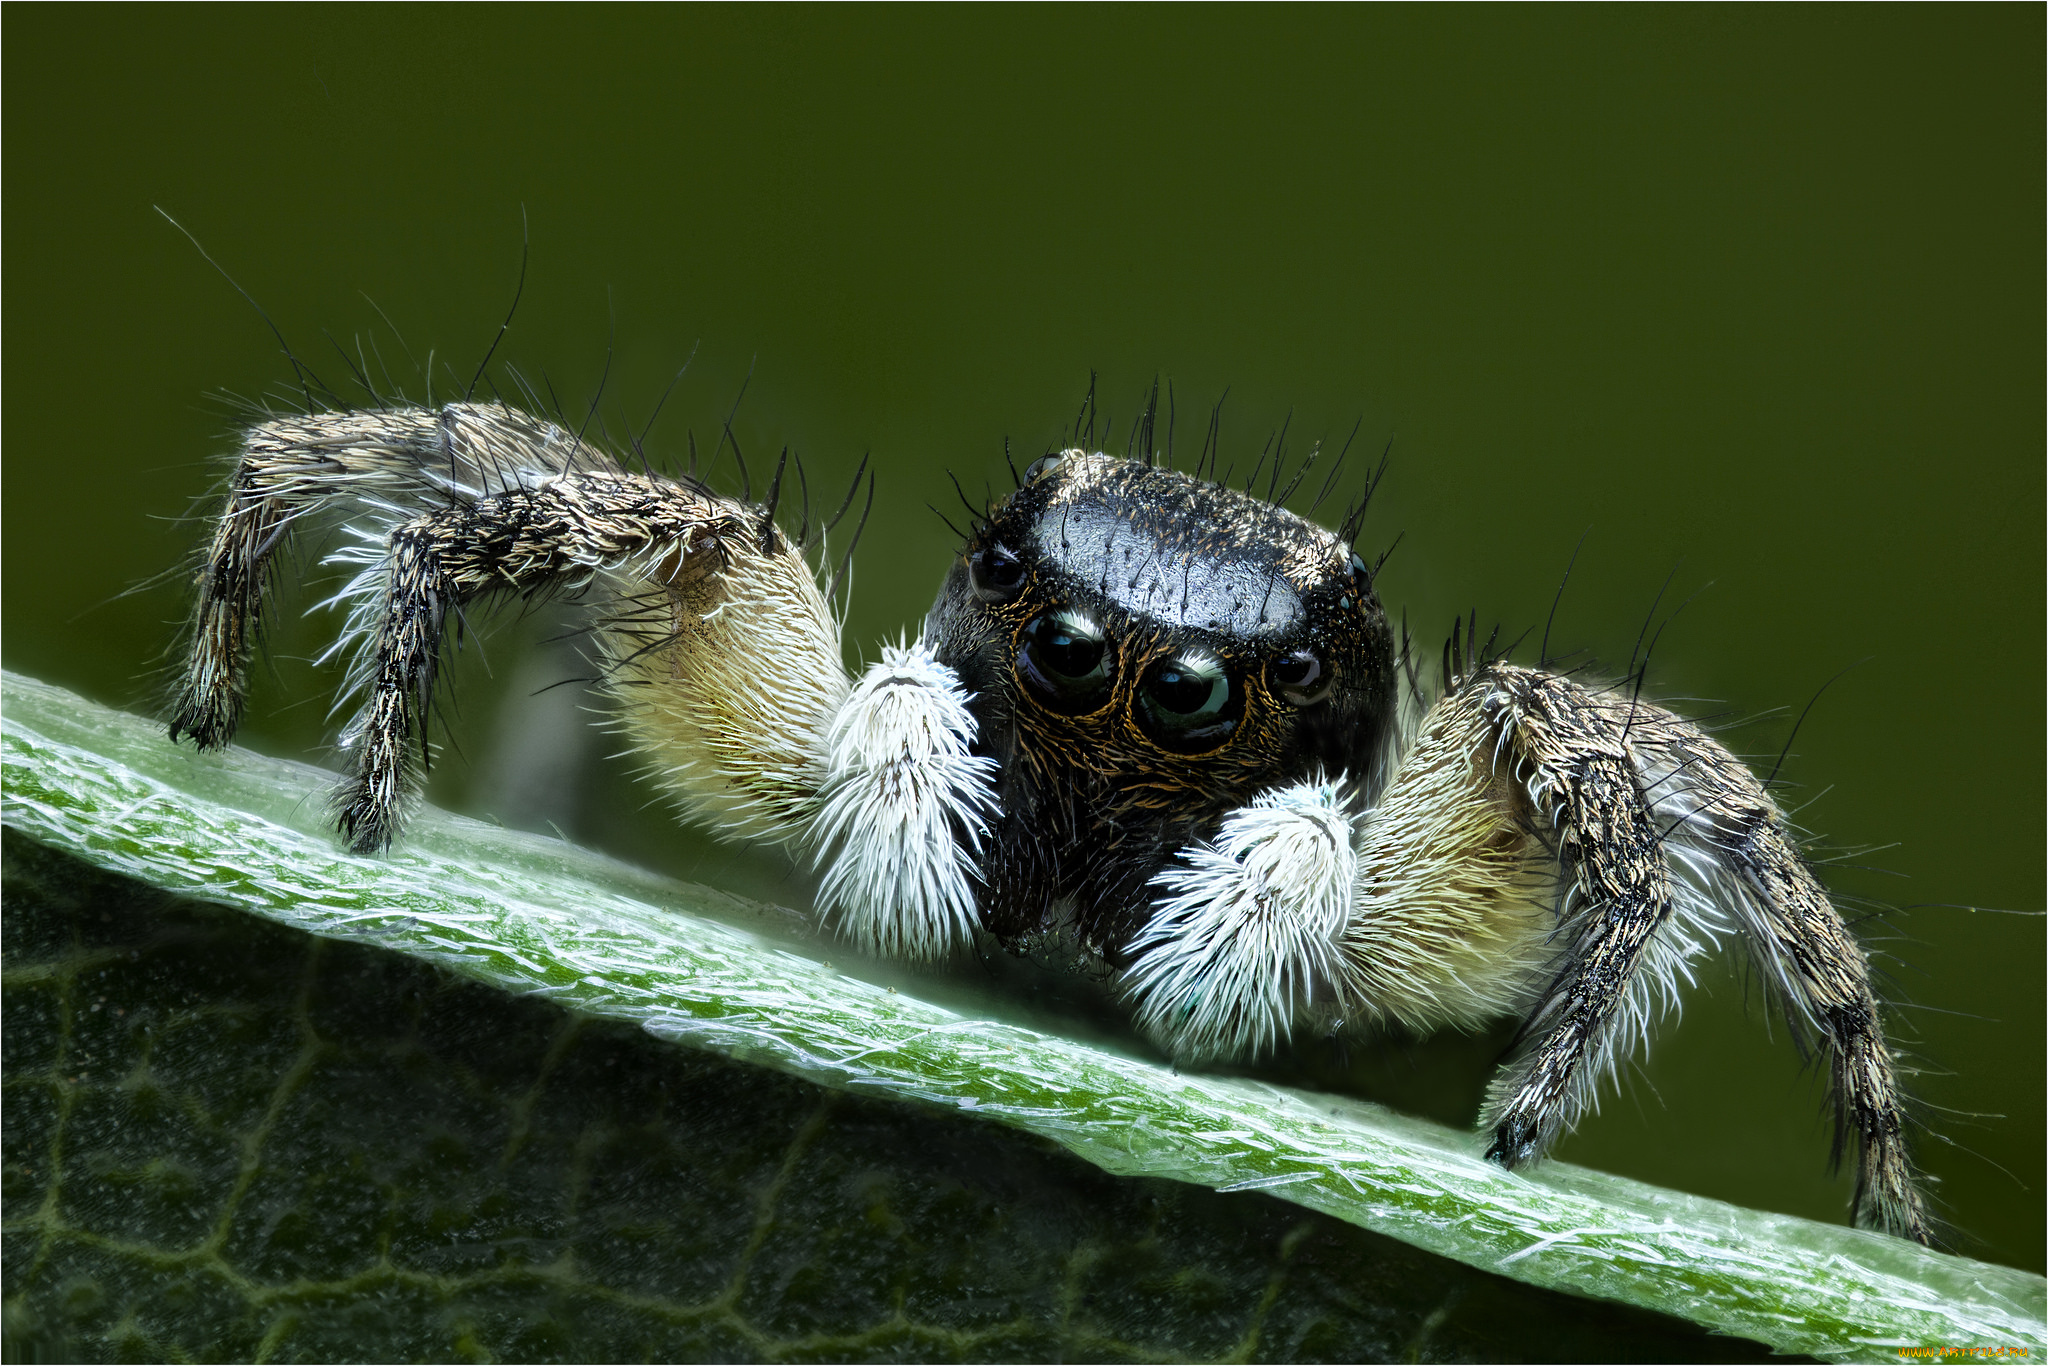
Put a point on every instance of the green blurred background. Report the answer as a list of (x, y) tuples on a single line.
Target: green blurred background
[(1755, 294)]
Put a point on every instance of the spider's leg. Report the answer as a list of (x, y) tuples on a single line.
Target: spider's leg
[(904, 807), (1630, 792), (1732, 836), (721, 655), (1574, 761), (722, 661), (1455, 898), (728, 696), (381, 464)]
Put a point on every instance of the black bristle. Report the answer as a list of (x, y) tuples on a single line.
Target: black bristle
[(774, 498), (746, 481), (847, 502), (1169, 424), (1543, 655), (832, 585), (362, 380), (1147, 423), (1264, 451), (803, 530), (1212, 444), (1337, 468), (1279, 454), (518, 289), (307, 378), (604, 377), (661, 402), (975, 516), (1373, 576), (1315, 453), (413, 361)]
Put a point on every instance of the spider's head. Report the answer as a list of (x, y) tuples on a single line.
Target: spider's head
[(1146, 651)]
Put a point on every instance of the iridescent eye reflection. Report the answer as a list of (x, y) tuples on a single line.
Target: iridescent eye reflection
[(1361, 584), (995, 573), (1188, 702), (1042, 464), (1065, 659), (1300, 677)]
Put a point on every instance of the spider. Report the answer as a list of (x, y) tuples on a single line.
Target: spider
[(1160, 721)]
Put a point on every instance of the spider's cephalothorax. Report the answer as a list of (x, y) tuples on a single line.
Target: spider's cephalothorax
[(1164, 716), (1145, 652)]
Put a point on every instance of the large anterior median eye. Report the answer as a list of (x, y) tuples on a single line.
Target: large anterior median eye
[(1067, 661), (1187, 702)]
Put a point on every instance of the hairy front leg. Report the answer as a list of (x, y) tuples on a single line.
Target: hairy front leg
[(1664, 835), (1574, 762)]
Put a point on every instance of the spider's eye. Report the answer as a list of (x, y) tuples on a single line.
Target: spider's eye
[(1042, 464), (1187, 703), (1067, 661), (1300, 677), (996, 574)]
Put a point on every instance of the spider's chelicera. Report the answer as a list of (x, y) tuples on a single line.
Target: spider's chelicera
[(1151, 720)]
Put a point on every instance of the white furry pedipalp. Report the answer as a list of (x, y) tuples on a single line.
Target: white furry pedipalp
[(904, 807), (1247, 931)]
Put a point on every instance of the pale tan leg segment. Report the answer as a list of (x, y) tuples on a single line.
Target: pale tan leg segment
[(1541, 849), (720, 651)]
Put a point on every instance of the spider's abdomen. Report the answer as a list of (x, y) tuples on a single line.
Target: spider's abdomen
[(1146, 651)]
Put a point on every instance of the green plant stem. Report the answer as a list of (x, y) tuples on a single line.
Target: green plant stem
[(538, 916)]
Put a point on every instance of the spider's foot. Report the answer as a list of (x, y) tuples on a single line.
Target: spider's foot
[(1888, 1196), (1516, 1143), (208, 719), (368, 825), (1902, 1215)]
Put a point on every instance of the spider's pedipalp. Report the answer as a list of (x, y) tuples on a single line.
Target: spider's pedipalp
[(904, 808), (1243, 938)]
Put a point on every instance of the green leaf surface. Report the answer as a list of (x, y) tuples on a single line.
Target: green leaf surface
[(537, 918), (227, 1139)]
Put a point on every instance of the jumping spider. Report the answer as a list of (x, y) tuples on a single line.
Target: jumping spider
[(1163, 719)]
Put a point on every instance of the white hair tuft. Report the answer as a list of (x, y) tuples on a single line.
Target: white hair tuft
[(906, 804), (1246, 934)]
